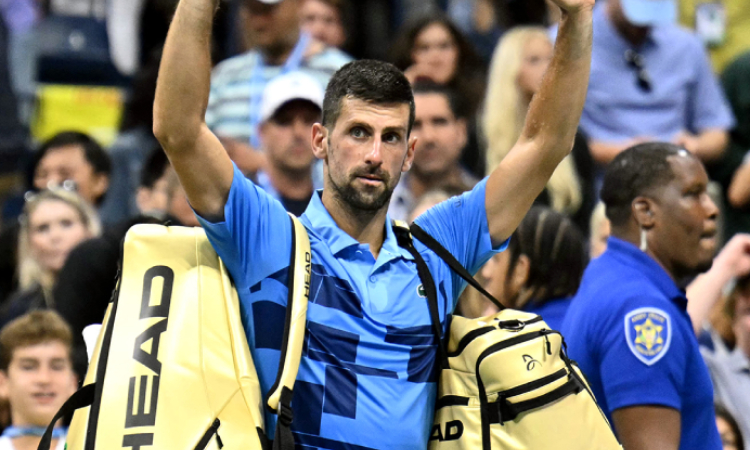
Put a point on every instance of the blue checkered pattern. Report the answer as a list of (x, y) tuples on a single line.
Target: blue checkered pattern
[(368, 370)]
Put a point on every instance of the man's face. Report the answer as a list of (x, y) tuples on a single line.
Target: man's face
[(271, 26), (440, 136), (69, 163), (684, 233), (365, 153), (323, 21), (286, 136), (39, 380)]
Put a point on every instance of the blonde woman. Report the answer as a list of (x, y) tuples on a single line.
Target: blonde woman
[(53, 223), (516, 71)]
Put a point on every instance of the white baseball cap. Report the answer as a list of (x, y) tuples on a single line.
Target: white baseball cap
[(287, 87), (650, 12)]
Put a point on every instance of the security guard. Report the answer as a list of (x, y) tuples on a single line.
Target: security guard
[(628, 325)]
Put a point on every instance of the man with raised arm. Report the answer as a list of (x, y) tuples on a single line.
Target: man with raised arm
[(367, 378)]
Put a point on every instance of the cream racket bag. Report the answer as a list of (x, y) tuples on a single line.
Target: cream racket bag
[(505, 381), (172, 368)]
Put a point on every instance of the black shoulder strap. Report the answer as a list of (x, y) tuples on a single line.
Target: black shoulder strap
[(82, 398), (452, 262), (404, 240)]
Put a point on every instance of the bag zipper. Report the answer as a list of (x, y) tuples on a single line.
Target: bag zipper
[(212, 431), (513, 325)]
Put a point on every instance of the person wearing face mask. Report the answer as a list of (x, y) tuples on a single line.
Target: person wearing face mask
[(628, 325), (53, 222), (518, 64)]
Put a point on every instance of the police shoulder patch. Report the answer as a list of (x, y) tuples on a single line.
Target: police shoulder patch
[(648, 332)]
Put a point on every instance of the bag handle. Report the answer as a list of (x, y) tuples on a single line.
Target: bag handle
[(82, 398), (452, 262), (279, 397)]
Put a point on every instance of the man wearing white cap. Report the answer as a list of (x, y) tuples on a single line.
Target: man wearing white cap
[(651, 81), (292, 104), (237, 84)]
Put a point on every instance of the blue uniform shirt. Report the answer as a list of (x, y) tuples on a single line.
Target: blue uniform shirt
[(685, 93), (552, 311), (629, 331), (367, 375)]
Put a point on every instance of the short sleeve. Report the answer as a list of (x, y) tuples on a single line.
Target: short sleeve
[(254, 239), (643, 356), (460, 225), (708, 107)]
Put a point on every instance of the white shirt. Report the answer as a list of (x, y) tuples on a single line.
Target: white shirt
[(7, 444)]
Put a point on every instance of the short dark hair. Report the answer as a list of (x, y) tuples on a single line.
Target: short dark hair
[(93, 152), (722, 412), (373, 81), (430, 87), (153, 168), (556, 251), (634, 172)]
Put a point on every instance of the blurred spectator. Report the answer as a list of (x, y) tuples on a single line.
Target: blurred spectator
[(324, 21), (599, 231), (518, 67), (651, 80), (85, 284), (733, 172), (433, 48), (133, 144), (730, 372), (12, 144), (731, 438), (76, 157), (478, 19), (237, 84), (427, 201), (292, 104), (724, 27), (36, 376), (628, 326), (53, 223), (441, 134), (20, 17), (542, 267)]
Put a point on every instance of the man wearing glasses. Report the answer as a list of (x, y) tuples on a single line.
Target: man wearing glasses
[(651, 81)]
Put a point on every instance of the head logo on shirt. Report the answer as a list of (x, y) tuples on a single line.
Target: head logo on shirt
[(648, 332)]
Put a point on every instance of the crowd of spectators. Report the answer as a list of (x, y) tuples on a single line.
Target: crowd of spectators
[(680, 76)]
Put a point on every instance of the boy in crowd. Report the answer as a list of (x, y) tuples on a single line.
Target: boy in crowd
[(36, 376)]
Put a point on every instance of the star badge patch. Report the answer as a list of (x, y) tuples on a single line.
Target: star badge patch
[(648, 332)]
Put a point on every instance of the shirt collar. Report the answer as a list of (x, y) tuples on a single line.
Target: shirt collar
[(322, 223), (605, 29), (633, 256)]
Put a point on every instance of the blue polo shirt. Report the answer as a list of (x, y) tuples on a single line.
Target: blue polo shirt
[(552, 311), (629, 330), (367, 378), (685, 93)]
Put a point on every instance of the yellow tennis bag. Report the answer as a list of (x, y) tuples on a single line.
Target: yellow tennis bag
[(172, 368), (505, 380)]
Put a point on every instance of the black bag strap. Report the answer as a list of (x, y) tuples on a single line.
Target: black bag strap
[(403, 237), (452, 262), (82, 398)]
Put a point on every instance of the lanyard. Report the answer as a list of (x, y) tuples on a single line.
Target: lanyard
[(14, 432), (292, 63)]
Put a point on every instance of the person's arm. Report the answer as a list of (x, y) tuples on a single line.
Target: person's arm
[(248, 159), (201, 163), (733, 261), (647, 427), (708, 145), (550, 127), (738, 192), (604, 152)]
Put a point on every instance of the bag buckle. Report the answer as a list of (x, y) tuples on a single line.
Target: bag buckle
[(512, 325), (286, 415)]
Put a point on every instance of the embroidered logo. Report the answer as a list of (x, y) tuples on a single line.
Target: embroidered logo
[(648, 332), (530, 362), (421, 292)]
